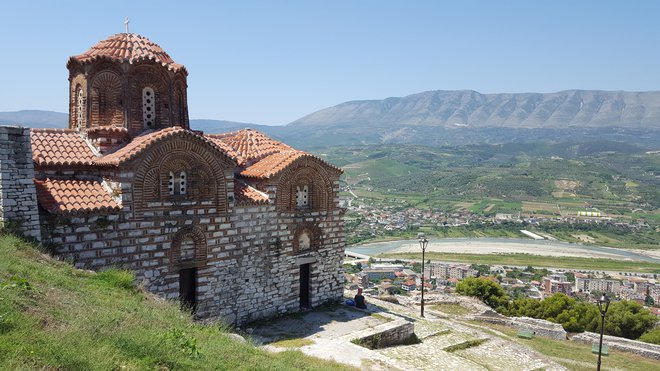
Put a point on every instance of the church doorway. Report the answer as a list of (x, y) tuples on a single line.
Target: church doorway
[(304, 286), (188, 288)]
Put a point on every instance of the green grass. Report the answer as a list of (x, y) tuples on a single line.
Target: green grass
[(536, 260), (464, 345), (577, 356), (292, 343), (53, 316), (451, 308)]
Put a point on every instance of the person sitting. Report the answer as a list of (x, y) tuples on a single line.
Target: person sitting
[(359, 300)]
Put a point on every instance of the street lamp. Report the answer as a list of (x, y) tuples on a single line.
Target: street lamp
[(603, 304), (422, 243)]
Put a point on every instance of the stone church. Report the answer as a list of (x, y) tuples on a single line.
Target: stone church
[(237, 226)]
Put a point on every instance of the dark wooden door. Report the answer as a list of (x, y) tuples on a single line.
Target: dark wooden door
[(304, 286), (188, 288)]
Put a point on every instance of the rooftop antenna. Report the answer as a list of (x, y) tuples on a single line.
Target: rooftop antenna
[(126, 21)]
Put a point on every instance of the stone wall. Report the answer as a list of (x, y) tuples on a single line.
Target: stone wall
[(388, 334), (539, 327), (638, 347), (18, 196), (250, 269)]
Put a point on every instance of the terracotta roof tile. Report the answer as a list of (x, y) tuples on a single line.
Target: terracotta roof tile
[(128, 47), (272, 164), (245, 194), (248, 145), (262, 156), (60, 147), (65, 195)]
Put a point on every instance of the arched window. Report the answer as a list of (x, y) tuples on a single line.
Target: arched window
[(177, 183), (302, 196), (148, 107), (80, 108)]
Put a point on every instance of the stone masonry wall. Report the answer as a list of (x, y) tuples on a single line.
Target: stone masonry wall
[(251, 269), (18, 196), (539, 327), (639, 347)]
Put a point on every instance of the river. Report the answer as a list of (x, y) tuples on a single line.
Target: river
[(503, 245)]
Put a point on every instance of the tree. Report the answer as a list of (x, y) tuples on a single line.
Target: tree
[(628, 319), (649, 300), (652, 336), (488, 291)]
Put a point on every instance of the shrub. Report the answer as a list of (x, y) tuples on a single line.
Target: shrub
[(488, 291), (652, 336)]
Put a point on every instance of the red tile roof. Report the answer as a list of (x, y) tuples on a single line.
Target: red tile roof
[(245, 194), (248, 145), (141, 143), (128, 47), (62, 196), (60, 147), (272, 164), (262, 156)]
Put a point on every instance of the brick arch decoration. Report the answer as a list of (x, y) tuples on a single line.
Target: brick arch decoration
[(305, 171), (78, 82), (313, 231), (155, 77), (204, 165), (107, 103), (201, 249), (179, 104)]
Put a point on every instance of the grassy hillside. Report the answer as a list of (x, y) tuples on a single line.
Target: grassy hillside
[(53, 316), (614, 179)]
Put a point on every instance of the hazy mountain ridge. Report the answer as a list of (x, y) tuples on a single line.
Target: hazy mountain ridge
[(445, 118), (35, 119), (468, 108)]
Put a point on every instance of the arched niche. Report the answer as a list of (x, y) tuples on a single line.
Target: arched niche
[(189, 248)]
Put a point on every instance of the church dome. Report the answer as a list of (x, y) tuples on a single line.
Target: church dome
[(128, 47)]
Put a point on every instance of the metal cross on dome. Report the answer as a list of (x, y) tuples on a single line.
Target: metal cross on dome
[(126, 21)]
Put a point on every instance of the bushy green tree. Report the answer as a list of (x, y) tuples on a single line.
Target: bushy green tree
[(488, 291), (574, 316), (628, 319), (652, 336)]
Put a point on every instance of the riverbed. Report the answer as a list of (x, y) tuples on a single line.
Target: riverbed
[(507, 246)]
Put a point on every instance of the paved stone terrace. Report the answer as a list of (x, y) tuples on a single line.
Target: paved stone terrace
[(331, 330)]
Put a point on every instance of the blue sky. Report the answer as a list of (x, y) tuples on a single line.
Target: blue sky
[(271, 62)]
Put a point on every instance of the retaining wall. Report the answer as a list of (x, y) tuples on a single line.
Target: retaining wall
[(613, 342)]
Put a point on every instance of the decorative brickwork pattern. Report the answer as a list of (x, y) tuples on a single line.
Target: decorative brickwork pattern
[(107, 107), (306, 172), (112, 76), (215, 216), (194, 239), (307, 237), (202, 163)]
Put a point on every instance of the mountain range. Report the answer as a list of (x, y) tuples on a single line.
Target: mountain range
[(451, 118)]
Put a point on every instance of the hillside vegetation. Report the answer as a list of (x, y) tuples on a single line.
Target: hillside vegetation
[(551, 180), (56, 317)]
